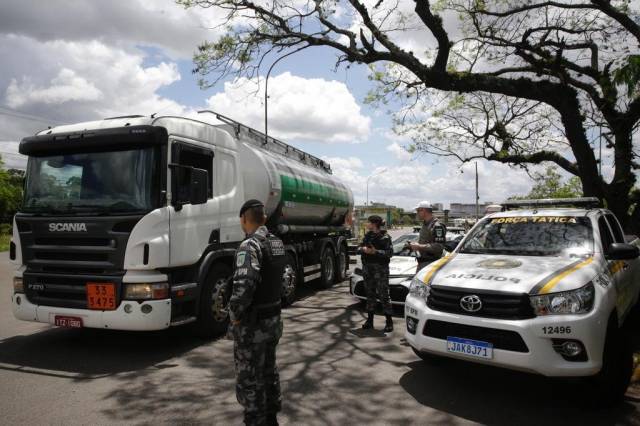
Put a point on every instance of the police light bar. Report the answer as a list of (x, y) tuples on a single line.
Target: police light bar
[(584, 202)]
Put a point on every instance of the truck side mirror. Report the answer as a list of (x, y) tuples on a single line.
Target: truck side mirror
[(199, 187), (622, 251)]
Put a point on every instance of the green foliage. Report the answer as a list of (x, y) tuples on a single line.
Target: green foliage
[(629, 75), (5, 239), (10, 192), (550, 184)]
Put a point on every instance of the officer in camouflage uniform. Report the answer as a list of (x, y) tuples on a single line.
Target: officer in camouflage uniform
[(254, 311), (376, 251), (432, 236)]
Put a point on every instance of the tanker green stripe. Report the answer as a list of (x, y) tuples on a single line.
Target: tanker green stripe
[(302, 191)]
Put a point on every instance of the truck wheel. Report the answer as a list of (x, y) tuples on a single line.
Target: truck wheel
[(341, 265), (610, 384), (289, 281), (213, 317), (327, 268)]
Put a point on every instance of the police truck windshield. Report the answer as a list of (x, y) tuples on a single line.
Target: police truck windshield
[(532, 236), (97, 182)]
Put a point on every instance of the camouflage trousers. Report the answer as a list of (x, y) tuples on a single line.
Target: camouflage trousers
[(376, 283), (257, 377)]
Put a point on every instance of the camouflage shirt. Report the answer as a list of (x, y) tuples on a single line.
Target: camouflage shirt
[(433, 236), (246, 276), (381, 241)]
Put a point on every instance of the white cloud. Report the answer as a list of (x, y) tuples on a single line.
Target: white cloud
[(11, 159), (299, 108), (159, 23), (66, 86), (399, 152), (69, 82), (408, 183)]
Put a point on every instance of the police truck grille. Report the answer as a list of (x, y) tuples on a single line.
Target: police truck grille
[(513, 306), (500, 339)]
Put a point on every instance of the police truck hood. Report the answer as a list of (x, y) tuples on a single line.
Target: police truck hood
[(403, 265), (518, 274)]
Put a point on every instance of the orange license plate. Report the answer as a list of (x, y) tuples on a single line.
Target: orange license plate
[(101, 296)]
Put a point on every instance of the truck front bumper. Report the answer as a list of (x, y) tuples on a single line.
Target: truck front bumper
[(158, 318), (539, 356)]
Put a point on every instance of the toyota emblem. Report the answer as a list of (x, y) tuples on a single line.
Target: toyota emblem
[(471, 303)]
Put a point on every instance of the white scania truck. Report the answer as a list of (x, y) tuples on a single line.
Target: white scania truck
[(131, 223)]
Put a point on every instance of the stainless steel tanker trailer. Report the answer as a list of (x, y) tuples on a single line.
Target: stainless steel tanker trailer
[(131, 223)]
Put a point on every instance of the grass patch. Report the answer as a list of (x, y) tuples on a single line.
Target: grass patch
[(5, 239)]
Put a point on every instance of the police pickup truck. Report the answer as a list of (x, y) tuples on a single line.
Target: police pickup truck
[(543, 286)]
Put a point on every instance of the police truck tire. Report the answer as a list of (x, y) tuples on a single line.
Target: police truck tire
[(289, 281), (213, 318), (342, 265), (609, 386), (327, 268)]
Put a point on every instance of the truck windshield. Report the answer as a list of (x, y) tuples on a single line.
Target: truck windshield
[(532, 236), (97, 182)]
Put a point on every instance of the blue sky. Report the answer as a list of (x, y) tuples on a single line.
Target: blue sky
[(134, 57)]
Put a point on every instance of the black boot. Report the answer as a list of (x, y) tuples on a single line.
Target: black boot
[(388, 328), (272, 419), (368, 324)]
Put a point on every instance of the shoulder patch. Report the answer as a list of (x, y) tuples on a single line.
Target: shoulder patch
[(439, 231), (240, 258)]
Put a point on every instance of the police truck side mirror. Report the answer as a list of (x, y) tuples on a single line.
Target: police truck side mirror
[(622, 251), (199, 188)]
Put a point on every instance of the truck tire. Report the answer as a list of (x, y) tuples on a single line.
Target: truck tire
[(608, 387), (341, 264), (289, 281), (327, 268), (213, 317)]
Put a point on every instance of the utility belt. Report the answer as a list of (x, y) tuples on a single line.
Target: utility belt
[(265, 310)]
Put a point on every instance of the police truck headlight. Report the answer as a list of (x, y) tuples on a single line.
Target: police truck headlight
[(578, 301), (419, 289), (18, 285), (146, 291)]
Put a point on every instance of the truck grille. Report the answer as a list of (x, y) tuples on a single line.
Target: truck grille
[(512, 306), (64, 291), (60, 263), (501, 339)]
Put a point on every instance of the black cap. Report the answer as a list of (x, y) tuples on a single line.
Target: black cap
[(376, 220), (249, 204)]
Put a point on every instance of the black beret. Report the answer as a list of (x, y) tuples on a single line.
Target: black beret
[(249, 204)]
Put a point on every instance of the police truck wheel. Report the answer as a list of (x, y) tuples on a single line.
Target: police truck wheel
[(213, 317), (609, 386), (289, 281), (327, 268), (341, 265)]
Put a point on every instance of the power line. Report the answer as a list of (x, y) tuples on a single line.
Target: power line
[(5, 110)]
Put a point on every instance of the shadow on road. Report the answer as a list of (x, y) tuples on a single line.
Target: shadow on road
[(490, 395), (91, 353)]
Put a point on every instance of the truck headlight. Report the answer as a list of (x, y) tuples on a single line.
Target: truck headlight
[(146, 291), (578, 301), (419, 289), (18, 285)]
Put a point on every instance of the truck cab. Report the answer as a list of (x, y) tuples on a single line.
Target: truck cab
[(543, 286)]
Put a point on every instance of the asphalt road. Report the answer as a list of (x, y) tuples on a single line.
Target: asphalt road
[(332, 374)]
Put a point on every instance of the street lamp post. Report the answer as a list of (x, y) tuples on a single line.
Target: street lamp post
[(266, 91), (379, 172)]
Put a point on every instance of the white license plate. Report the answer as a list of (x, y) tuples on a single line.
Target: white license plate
[(470, 347)]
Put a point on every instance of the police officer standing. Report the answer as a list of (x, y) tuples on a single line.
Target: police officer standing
[(376, 250), (432, 236), (254, 310)]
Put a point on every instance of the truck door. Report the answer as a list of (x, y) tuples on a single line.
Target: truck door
[(618, 269), (624, 272), (192, 227)]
